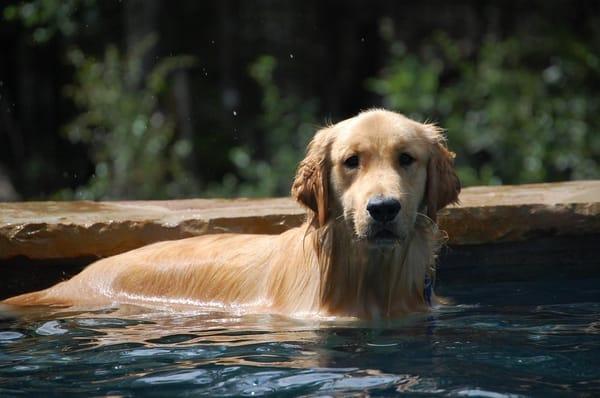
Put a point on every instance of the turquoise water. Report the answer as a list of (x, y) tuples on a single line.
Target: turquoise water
[(528, 338)]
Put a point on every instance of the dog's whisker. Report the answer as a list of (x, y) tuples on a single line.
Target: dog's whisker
[(428, 219), (340, 218)]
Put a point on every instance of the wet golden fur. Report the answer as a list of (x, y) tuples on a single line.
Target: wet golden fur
[(331, 265)]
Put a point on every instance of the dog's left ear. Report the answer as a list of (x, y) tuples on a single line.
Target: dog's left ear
[(443, 185), (311, 184)]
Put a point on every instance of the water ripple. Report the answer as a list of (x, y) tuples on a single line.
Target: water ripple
[(485, 347)]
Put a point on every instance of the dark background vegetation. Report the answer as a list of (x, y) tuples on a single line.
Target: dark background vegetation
[(155, 99)]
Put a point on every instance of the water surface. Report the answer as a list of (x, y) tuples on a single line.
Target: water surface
[(528, 338)]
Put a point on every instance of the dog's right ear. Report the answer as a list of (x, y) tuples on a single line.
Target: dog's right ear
[(311, 184)]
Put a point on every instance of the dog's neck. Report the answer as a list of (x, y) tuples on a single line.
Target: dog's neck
[(359, 280)]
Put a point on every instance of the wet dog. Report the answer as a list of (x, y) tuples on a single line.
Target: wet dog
[(372, 186)]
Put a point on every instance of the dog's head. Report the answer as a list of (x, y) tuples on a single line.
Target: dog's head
[(375, 172)]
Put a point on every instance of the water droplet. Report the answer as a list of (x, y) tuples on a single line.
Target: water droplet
[(234, 113), (291, 56)]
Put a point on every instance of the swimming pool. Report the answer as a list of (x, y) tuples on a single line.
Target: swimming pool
[(533, 337)]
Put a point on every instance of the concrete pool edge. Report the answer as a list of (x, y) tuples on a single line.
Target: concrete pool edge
[(548, 227), (486, 215)]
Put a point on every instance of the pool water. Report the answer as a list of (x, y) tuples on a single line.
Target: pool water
[(513, 338)]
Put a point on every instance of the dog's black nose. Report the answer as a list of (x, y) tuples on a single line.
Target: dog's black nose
[(383, 209)]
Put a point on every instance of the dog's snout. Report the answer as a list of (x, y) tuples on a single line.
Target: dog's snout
[(383, 209)]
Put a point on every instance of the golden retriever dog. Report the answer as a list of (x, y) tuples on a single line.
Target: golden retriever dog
[(372, 186)]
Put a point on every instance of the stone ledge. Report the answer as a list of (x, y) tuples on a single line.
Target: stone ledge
[(64, 230)]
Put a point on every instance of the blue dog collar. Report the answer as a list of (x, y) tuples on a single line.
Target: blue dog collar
[(428, 289)]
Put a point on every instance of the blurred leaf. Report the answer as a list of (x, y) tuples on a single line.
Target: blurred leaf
[(513, 114), (48, 17), (131, 140), (284, 127)]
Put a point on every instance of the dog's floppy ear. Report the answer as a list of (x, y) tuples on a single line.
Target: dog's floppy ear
[(311, 184), (443, 185)]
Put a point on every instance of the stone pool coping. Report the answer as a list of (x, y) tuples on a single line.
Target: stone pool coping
[(486, 215)]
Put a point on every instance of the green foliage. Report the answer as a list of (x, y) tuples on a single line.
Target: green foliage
[(132, 142), (285, 132), (516, 111), (48, 17)]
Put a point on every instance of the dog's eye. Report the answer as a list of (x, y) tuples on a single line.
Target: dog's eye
[(351, 162), (405, 159)]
